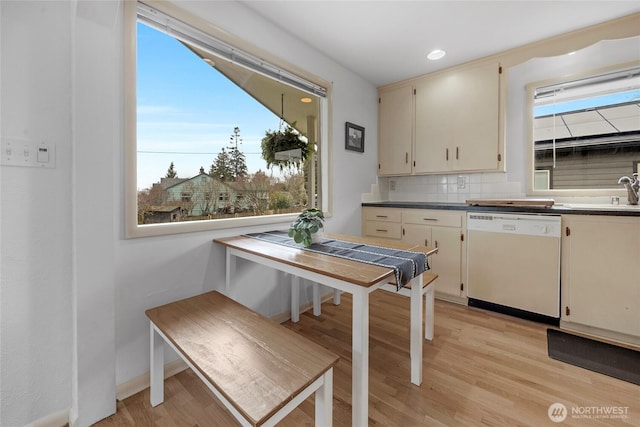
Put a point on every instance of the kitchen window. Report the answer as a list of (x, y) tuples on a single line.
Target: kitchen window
[(190, 137), (586, 131)]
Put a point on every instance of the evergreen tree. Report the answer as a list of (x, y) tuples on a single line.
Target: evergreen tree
[(171, 172), (221, 168), (237, 158)]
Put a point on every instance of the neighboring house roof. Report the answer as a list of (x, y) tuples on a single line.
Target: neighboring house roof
[(600, 125), (163, 209), (170, 182), (184, 180)]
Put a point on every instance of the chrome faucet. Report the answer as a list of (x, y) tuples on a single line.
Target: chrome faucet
[(632, 186)]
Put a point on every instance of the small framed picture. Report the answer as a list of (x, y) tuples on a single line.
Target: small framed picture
[(354, 137)]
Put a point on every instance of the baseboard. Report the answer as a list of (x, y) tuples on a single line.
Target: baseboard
[(612, 337), (143, 381), (59, 419), (450, 298)]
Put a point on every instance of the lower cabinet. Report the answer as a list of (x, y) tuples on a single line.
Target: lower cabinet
[(437, 228), (445, 231), (600, 278)]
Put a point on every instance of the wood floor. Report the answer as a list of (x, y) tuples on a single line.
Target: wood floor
[(481, 369)]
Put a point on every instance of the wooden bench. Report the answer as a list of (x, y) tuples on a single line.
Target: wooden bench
[(427, 290), (258, 369)]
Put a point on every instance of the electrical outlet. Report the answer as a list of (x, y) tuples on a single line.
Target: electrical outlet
[(392, 185), (462, 182)]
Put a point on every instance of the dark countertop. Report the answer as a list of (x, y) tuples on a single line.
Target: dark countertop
[(558, 209)]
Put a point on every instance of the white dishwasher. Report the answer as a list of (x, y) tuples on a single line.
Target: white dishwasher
[(513, 263)]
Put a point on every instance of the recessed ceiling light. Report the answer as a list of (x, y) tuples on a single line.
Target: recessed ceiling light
[(306, 100), (436, 54), (210, 61)]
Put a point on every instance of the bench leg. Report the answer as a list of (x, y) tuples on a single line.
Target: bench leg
[(157, 367), (317, 308), (324, 401), (295, 299), (336, 297), (429, 312)]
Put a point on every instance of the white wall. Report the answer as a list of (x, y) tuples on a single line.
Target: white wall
[(74, 290), (35, 223)]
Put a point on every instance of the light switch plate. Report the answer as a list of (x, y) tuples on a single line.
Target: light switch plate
[(16, 152)]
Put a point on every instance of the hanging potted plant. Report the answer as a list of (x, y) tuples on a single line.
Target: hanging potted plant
[(285, 148), (306, 225)]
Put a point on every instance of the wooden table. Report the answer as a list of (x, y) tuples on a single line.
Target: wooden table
[(354, 277)]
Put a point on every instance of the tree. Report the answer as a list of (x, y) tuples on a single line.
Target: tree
[(237, 158), (221, 167), (171, 172), (255, 191)]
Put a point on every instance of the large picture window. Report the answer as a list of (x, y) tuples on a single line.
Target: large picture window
[(221, 138)]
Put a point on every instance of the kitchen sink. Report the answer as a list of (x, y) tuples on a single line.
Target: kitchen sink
[(598, 206)]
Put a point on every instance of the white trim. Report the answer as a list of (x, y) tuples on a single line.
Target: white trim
[(142, 382), (52, 420)]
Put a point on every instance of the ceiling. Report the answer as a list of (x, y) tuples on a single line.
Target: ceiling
[(387, 41)]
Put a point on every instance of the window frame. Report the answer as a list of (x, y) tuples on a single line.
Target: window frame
[(530, 169), (135, 230)]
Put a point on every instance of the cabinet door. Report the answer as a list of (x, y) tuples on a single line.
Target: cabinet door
[(395, 130), (600, 280), (476, 124), (446, 263), (434, 102), (457, 120)]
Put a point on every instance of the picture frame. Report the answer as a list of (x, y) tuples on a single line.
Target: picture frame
[(354, 137)]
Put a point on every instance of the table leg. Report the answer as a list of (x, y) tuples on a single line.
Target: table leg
[(157, 367), (230, 268), (416, 330), (360, 356), (336, 297), (317, 309), (429, 311), (295, 299), (324, 401)]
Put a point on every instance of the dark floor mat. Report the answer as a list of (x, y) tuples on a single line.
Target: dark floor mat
[(614, 361)]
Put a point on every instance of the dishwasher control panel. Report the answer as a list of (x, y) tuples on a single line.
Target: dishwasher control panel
[(531, 225)]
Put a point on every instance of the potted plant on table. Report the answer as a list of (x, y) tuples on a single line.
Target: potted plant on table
[(303, 229)]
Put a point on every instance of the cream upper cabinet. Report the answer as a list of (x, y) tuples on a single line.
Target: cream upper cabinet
[(449, 121), (600, 276), (457, 120), (395, 130)]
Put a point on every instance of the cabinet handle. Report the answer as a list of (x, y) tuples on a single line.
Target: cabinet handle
[(426, 242), (436, 244), (406, 158), (447, 154), (457, 151), (381, 231), (429, 219), (382, 216)]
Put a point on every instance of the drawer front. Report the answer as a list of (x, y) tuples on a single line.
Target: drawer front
[(390, 230), (434, 218), (382, 214)]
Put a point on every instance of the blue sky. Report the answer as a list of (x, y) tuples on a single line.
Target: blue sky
[(581, 104), (187, 111)]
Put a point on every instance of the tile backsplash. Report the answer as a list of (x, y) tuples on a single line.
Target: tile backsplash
[(452, 188)]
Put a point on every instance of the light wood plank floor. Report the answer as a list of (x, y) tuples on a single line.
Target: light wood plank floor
[(482, 369)]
